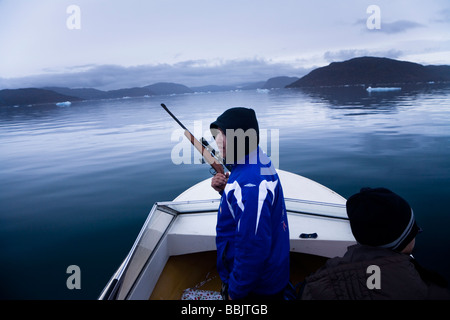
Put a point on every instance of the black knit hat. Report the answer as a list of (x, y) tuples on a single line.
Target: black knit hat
[(235, 119), (380, 218)]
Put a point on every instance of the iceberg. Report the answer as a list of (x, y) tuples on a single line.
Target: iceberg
[(383, 89), (64, 104)]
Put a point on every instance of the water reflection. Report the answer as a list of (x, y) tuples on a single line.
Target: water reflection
[(356, 98)]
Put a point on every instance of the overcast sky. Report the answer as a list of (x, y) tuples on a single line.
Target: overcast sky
[(126, 43)]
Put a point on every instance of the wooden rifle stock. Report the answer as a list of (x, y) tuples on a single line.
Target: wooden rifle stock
[(212, 161)]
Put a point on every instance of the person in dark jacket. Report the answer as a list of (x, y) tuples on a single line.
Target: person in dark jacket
[(380, 266), (252, 227)]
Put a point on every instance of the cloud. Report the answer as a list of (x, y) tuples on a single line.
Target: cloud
[(443, 16), (190, 73), (398, 26)]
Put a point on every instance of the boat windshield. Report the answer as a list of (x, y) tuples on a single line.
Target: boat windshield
[(154, 229), (161, 217)]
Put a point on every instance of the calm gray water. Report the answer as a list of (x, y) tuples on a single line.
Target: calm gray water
[(77, 182)]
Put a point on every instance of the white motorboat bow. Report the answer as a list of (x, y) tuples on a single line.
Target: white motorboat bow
[(175, 249)]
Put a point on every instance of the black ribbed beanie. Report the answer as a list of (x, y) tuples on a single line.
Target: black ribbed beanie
[(379, 217)]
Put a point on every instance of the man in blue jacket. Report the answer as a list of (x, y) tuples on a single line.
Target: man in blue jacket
[(252, 227)]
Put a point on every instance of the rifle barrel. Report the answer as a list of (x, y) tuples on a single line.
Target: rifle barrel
[(173, 116), (202, 148)]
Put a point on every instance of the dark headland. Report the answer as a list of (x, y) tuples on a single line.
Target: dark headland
[(372, 71)]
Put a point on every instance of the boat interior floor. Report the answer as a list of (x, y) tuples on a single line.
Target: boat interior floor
[(198, 271)]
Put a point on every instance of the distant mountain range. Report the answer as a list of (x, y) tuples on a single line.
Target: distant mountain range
[(162, 88), (367, 71), (373, 71), (28, 96)]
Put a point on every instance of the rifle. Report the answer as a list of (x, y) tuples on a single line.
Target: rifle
[(209, 154)]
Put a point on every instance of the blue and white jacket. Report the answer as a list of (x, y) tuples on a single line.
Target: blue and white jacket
[(252, 230)]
